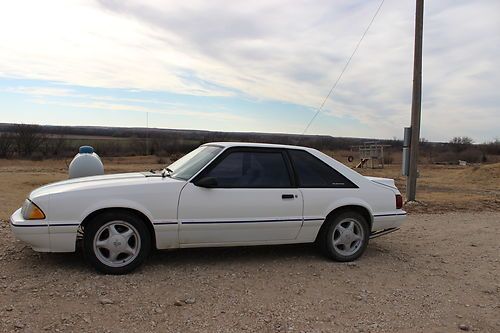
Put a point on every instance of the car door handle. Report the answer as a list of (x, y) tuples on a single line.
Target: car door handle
[(287, 196)]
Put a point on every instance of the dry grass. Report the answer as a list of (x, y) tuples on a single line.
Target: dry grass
[(19, 177), (450, 188), (440, 189)]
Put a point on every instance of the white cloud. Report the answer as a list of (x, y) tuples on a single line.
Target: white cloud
[(39, 91), (102, 105), (271, 50), (41, 95)]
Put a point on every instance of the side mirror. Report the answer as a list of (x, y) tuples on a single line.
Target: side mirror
[(207, 182)]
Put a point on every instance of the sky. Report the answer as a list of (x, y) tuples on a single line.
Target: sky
[(260, 66)]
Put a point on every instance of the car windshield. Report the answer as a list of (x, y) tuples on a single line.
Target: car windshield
[(188, 165)]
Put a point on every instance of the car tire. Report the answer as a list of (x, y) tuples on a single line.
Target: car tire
[(346, 237), (116, 242)]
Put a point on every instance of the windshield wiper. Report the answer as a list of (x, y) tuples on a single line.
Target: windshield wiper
[(166, 172)]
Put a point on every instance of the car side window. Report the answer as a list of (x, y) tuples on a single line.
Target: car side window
[(314, 173), (247, 169)]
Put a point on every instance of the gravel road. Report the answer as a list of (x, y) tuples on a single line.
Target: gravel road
[(439, 273)]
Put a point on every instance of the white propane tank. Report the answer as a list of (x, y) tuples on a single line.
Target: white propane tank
[(86, 163)]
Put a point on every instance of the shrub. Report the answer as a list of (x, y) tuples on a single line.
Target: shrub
[(446, 157), (6, 144), (471, 155), (37, 156)]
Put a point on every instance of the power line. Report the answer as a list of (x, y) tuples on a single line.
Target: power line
[(344, 69)]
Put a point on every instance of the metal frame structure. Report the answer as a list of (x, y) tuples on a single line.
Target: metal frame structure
[(371, 154)]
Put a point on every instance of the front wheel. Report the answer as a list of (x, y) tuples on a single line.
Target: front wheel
[(346, 237), (116, 242)]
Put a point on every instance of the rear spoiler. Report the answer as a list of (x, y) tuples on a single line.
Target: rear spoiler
[(383, 181)]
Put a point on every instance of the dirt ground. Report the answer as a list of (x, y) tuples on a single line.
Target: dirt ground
[(438, 272)]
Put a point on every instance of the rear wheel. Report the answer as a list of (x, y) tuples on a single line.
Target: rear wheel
[(116, 242), (346, 237)]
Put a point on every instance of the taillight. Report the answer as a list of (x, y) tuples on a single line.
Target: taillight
[(399, 201)]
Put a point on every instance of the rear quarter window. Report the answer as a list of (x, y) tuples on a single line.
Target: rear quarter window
[(313, 173)]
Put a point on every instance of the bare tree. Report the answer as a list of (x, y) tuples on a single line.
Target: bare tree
[(6, 144), (55, 146), (462, 140), (28, 138), (460, 143)]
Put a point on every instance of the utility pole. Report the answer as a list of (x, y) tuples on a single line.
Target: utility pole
[(147, 133), (416, 104)]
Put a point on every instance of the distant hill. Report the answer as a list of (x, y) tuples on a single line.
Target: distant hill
[(38, 142), (324, 142)]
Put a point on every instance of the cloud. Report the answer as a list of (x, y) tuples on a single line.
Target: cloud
[(39, 91), (271, 50), (71, 98), (102, 105)]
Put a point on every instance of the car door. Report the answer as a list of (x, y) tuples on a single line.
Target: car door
[(245, 196)]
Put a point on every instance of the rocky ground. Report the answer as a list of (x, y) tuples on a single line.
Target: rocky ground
[(439, 273)]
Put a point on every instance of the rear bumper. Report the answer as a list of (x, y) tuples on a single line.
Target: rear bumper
[(390, 220), (44, 236)]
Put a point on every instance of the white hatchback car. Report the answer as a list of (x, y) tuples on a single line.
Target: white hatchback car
[(221, 194)]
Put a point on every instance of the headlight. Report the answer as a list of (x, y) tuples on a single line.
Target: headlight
[(31, 211)]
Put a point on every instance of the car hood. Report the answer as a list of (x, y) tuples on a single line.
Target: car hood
[(91, 182)]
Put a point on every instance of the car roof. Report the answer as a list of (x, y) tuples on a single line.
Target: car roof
[(254, 144)]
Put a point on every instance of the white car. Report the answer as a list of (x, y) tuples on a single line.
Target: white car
[(220, 194)]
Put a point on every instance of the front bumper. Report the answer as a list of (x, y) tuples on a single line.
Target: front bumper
[(44, 236), (35, 233)]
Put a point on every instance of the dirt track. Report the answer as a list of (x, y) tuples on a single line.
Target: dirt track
[(438, 272)]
